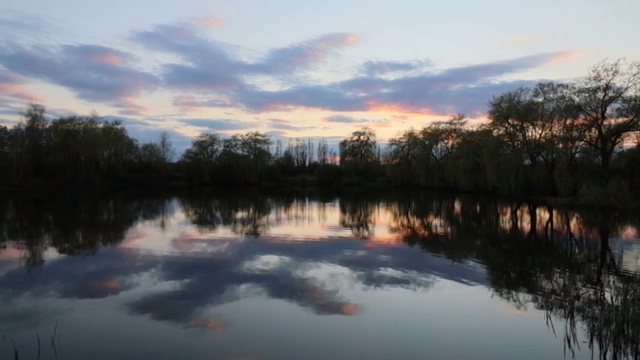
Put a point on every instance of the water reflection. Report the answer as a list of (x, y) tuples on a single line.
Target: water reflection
[(180, 261), (558, 261)]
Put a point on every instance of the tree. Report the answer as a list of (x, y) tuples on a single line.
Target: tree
[(167, 152), (150, 154), (5, 153), (35, 132), (202, 157), (538, 125), (608, 102), (117, 146), (421, 157), (359, 147), (408, 155), (245, 157), (323, 152), (256, 146), (204, 149), (479, 162), (358, 153)]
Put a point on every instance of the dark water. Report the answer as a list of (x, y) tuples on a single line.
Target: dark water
[(257, 277)]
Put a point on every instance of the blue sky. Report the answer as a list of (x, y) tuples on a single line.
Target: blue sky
[(295, 68)]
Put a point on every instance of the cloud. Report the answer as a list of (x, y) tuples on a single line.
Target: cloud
[(204, 72), (90, 281), (208, 22), (376, 67), (276, 135), (282, 124), (344, 119), (569, 55), (462, 89), (211, 65), (206, 64), (303, 54), (25, 27), (190, 104), (12, 89), (206, 270), (218, 124), (94, 73), (213, 275), (216, 69)]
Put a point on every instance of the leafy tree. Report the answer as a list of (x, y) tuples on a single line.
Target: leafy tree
[(245, 157), (608, 102), (204, 149), (358, 153), (150, 154), (35, 136), (537, 122), (202, 156)]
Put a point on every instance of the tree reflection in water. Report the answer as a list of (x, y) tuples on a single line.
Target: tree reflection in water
[(564, 262), (556, 260), (73, 225)]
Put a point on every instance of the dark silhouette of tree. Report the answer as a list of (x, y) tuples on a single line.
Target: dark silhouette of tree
[(608, 102), (358, 154)]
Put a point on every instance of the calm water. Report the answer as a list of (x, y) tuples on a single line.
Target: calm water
[(256, 277)]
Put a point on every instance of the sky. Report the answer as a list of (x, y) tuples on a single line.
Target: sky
[(292, 68)]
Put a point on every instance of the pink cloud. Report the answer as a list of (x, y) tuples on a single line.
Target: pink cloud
[(11, 253), (130, 107), (18, 92), (396, 107), (134, 238), (185, 241), (338, 39), (186, 104), (11, 88), (107, 58), (208, 22), (568, 56), (319, 49)]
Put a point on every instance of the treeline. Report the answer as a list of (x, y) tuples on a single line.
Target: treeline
[(553, 139), (76, 150), (253, 158)]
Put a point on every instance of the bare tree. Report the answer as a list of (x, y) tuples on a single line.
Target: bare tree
[(167, 152)]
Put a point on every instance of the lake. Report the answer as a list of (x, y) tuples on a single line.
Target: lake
[(408, 276)]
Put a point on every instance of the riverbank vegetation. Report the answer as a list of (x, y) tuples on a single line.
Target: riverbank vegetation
[(553, 140)]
